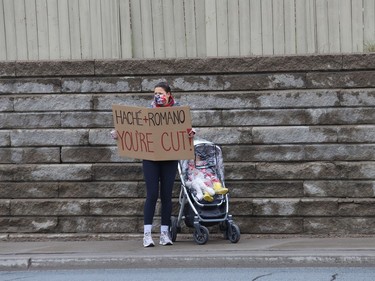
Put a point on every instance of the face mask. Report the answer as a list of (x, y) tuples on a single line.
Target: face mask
[(160, 99)]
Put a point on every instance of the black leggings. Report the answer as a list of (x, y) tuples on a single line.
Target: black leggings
[(153, 171)]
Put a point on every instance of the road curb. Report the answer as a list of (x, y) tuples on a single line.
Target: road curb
[(65, 263), (14, 264)]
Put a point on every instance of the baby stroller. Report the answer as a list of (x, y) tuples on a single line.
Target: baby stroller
[(197, 213)]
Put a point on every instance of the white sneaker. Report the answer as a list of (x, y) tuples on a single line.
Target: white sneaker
[(165, 239), (147, 240)]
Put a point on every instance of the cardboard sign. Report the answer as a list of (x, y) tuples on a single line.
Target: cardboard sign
[(153, 133)]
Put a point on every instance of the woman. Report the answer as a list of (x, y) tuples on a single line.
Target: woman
[(159, 177)]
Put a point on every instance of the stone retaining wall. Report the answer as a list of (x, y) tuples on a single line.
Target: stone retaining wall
[(297, 134)]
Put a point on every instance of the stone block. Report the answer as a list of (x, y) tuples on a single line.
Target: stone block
[(263, 81), (357, 134), (175, 192), (264, 153), (52, 172), (28, 224), (124, 189), (294, 134), (117, 172), (105, 101), (359, 61), (296, 171), (364, 170), (6, 104), (263, 117), (276, 207), (52, 207), (298, 98), (339, 188), (101, 84), (357, 97), (209, 118), (30, 155), (29, 189), (7, 68), (175, 207), (225, 135), (91, 155), (300, 62), (138, 66), (340, 225), (55, 68), (117, 207), (103, 137), (29, 120), (87, 119), (326, 225), (357, 207), (240, 171), (340, 116), (241, 207), (340, 152), (52, 103), (30, 86), (264, 225), (186, 83), (221, 100), (49, 137), (324, 207), (4, 207), (320, 80), (270, 189), (4, 138), (98, 225)]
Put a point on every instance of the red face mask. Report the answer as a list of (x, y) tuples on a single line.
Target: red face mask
[(160, 99)]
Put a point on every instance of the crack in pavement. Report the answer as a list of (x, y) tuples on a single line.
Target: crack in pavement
[(258, 277), (334, 277)]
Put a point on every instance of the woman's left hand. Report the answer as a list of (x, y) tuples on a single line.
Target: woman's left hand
[(191, 133)]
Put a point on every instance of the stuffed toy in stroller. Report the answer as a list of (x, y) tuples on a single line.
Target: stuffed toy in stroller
[(203, 182)]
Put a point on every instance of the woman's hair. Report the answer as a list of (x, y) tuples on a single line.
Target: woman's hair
[(164, 85)]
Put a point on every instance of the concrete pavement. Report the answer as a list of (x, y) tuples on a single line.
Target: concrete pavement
[(250, 251)]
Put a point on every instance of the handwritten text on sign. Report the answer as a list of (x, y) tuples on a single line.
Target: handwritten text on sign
[(153, 133)]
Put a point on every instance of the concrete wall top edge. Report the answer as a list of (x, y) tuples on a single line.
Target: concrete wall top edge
[(285, 63)]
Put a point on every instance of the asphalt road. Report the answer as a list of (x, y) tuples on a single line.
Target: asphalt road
[(188, 274)]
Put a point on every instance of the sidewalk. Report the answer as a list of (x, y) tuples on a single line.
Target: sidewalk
[(248, 252)]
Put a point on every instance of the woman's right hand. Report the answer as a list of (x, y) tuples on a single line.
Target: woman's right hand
[(114, 134)]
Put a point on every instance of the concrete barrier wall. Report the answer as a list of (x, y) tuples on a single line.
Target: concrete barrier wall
[(297, 134)]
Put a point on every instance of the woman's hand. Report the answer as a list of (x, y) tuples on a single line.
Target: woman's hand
[(191, 133), (114, 134)]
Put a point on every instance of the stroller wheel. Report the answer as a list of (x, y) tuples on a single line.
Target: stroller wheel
[(173, 229), (233, 233), (201, 238)]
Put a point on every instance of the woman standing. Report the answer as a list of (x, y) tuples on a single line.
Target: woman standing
[(159, 177)]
